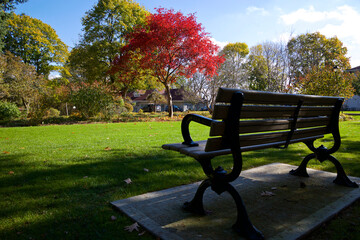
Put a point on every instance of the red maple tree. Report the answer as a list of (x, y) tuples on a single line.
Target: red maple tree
[(171, 45)]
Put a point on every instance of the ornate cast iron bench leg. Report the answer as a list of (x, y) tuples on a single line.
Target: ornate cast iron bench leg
[(322, 154), (196, 204), (243, 225), (341, 177)]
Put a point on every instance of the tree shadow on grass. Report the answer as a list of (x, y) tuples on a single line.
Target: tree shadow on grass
[(71, 201)]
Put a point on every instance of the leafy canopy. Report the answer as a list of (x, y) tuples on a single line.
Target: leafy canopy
[(36, 43), (5, 7), (19, 82), (231, 72), (310, 50), (105, 27), (327, 82), (171, 45)]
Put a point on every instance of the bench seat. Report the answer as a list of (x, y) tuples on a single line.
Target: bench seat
[(199, 152)]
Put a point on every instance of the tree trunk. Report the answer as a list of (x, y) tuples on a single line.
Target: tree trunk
[(124, 93), (27, 106), (169, 98)]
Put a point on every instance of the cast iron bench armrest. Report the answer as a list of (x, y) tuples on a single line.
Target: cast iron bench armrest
[(185, 127)]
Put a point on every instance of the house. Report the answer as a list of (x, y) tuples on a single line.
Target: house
[(355, 70), (353, 104), (180, 101)]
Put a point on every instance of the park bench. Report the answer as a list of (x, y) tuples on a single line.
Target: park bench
[(246, 120)]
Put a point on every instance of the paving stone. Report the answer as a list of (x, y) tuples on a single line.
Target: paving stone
[(297, 207)]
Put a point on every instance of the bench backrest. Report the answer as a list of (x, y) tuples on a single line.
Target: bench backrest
[(271, 119)]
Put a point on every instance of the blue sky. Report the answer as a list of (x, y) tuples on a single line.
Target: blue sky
[(249, 21)]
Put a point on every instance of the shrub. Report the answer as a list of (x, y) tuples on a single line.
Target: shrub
[(129, 107), (8, 111), (345, 117), (91, 99), (52, 112)]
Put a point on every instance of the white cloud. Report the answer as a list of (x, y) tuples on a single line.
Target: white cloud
[(345, 28), (309, 15), (253, 9), (220, 44), (348, 27)]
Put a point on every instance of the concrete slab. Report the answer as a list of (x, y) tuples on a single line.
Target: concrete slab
[(298, 206)]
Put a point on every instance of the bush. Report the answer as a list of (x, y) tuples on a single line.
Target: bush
[(345, 117), (52, 112), (91, 99), (8, 111), (129, 107)]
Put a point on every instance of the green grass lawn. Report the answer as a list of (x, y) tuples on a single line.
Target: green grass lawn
[(56, 182)]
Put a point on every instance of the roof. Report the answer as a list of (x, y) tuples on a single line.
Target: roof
[(355, 69), (141, 95)]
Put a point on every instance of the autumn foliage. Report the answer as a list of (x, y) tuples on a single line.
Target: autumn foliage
[(327, 81), (170, 45)]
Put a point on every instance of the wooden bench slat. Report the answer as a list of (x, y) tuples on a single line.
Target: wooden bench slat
[(225, 94), (214, 144), (199, 152), (221, 111), (254, 126)]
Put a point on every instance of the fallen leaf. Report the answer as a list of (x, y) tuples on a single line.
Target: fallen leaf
[(11, 172), (6, 152), (113, 218), (128, 181), (108, 148), (85, 177), (132, 227), (142, 233), (146, 170), (267, 194), (274, 188)]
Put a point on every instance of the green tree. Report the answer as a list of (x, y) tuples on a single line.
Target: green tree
[(231, 72), (5, 7), (356, 84), (257, 69), (20, 83), (327, 81), (310, 50), (105, 27), (267, 67), (36, 43)]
